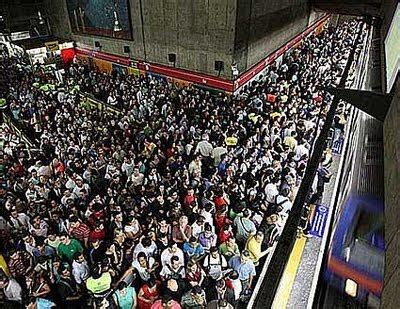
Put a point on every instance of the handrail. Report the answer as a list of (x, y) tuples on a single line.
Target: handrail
[(98, 104), (19, 131)]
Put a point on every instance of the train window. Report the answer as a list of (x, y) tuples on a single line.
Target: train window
[(369, 227)]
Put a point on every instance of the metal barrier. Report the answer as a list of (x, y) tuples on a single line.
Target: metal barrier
[(86, 98), (11, 123)]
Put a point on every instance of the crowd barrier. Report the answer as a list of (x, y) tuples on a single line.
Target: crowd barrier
[(88, 100)]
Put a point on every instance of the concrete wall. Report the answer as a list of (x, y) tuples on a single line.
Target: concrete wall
[(391, 131), (199, 32), (264, 26)]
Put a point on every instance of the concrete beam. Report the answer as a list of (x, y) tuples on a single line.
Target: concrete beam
[(373, 103)]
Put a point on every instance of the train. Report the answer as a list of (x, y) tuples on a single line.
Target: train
[(356, 255)]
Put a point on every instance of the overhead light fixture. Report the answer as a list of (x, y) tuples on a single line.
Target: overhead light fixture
[(117, 25), (41, 20)]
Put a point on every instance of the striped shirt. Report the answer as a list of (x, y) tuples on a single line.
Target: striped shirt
[(81, 232), (17, 266)]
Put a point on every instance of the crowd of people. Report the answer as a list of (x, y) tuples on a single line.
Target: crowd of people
[(172, 201)]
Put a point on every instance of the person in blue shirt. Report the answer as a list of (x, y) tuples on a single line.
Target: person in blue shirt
[(193, 249), (245, 268), (125, 296)]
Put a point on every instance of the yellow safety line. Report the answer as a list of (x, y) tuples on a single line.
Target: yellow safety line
[(289, 275)]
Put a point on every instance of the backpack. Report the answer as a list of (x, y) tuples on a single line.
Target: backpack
[(276, 207), (175, 274)]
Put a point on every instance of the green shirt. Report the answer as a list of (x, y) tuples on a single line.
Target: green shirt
[(3, 103), (125, 301), (67, 252), (227, 252)]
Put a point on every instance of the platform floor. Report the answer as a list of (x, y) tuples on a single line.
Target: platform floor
[(297, 280)]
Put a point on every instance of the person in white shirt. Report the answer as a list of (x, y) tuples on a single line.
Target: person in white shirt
[(284, 203), (198, 226), (146, 245), (204, 147), (137, 178), (271, 190), (19, 220), (80, 268), (175, 269), (217, 153), (171, 251), (214, 263), (143, 265), (195, 166), (11, 289), (301, 150), (112, 100)]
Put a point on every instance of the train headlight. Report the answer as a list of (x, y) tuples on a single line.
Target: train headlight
[(351, 288)]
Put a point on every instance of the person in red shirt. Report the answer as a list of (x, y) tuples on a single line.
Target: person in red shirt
[(79, 230), (271, 98), (98, 214), (221, 218), (189, 198), (166, 302), (99, 233), (225, 234), (219, 199)]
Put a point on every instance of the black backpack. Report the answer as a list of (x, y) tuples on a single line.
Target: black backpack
[(275, 207)]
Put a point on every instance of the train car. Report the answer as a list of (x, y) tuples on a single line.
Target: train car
[(356, 254)]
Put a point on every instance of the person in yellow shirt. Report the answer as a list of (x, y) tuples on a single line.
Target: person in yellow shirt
[(253, 245), (291, 141), (4, 267)]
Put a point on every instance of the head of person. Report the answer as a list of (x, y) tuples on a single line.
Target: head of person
[(167, 302), (197, 294), (246, 213), (27, 238), (142, 259), (285, 191), (200, 220), (175, 262), (245, 256), (146, 241), (192, 265), (208, 230), (220, 285), (79, 257), (259, 236), (74, 222), (119, 235), (173, 247), (193, 241), (64, 238), (183, 221), (122, 287), (214, 252), (65, 271)]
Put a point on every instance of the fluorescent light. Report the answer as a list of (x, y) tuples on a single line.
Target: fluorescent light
[(41, 20), (117, 25)]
